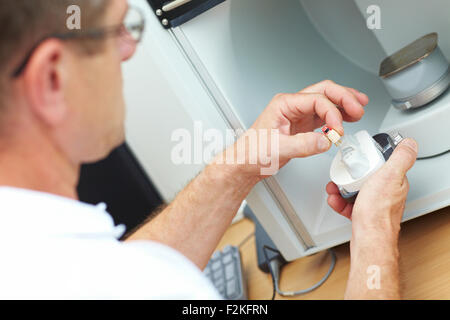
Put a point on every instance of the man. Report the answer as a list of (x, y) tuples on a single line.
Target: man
[(61, 105)]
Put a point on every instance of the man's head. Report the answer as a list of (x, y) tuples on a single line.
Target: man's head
[(69, 90)]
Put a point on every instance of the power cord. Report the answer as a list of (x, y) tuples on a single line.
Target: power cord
[(275, 270), (434, 156), (251, 235)]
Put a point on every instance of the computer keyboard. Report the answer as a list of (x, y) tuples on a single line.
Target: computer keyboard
[(224, 269)]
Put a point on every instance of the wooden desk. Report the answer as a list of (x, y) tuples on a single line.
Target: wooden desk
[(424, 262)]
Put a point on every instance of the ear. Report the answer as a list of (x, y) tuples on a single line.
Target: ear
[(44, 82)]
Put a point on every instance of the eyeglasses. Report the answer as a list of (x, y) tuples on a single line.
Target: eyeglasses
[(133, 26)]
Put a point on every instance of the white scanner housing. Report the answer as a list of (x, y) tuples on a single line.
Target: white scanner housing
[(223, 67)]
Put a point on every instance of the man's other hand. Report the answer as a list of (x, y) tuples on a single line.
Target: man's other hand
[(380, 203)]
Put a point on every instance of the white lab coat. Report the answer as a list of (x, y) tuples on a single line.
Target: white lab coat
[(57, 248)]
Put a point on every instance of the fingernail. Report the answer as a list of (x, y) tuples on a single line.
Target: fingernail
[(411, 143), (324, 143)]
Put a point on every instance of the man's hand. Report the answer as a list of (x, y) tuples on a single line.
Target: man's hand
[(376, 217), (196, 220), (380, 203), (296, 115)]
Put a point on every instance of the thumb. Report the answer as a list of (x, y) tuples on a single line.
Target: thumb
[(402, 159), (303, 144)]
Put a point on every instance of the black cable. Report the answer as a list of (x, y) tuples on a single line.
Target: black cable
[(275, 267), (436, 155), (265, 248), (246, 239)]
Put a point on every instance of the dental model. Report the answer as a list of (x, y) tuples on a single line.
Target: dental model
[(359, 157), (352, 156)]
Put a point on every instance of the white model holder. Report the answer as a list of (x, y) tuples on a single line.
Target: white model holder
[(340, 174)]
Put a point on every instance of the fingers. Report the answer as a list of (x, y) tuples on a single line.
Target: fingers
[(304, 144), (337, 203), (332, 188), (362, 97), (296, 105), (402, 159), (350, 100)]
